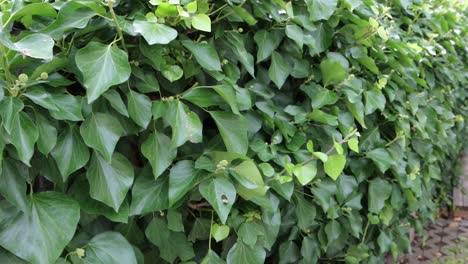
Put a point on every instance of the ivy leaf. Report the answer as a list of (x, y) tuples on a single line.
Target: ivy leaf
[(295, 33), (379, 191), (186, 125), (279, 69), (102, 66), (201, 22), (333, 230), (36, 45), (110, 182), (69, 107), (101, 132), (109, 247), (221, 194), (305, 212), (233, 129), (9, 109), (335, 165), (332, 72), (236, 42), (24, 135), (171, 244), (241, 253), (155, 33), (116, 102), (181, 179), (381, 158), (48, 213), (267, 42), (139, 108), (70, 153), (305, 173), (322, 97), (149, 195), (353, 144), (173, 72), (41, 97), (205, 54), (12, 185), (321, 9), (158, 149), (212, 258), (47, 134), (374, 101)]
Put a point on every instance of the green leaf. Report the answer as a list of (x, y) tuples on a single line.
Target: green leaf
[(233, 130), (295, 33), (205, 54), (149, 195), (382, 158), (212, 258), (101, 132), (70, 153), (229, 95), (374, 101), (71, 15), (333, 230), (69, 107), (47, 134), (13, 184), (41, 97), (236, 42), (240, 253), (305, 173), (80, 192), (181, 179), (321, 9), (116, 102), (24, 135), (267, 43), (335, 165), (310, 250), (201, 22), (173, 72), (139, 108), (36, 45), (174, 221), (170, 244), (102, 66), (221, 194), (220, 232), (158, 149), (322, 97), (321, 156), (357, 109), (332, 72), (110, 182), (245, 15), (109, 247), (279, 69), (9, 109), (379, 191), (47, 213), (186, 125), (305, 212), (250, 180), (155, 33), (322, 117)]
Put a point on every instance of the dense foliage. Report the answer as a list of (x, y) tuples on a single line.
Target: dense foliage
[(226, 131)]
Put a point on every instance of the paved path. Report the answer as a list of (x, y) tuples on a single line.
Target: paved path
[(445, 241)]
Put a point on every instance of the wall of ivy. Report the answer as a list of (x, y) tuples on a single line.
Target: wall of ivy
[(181, 131)]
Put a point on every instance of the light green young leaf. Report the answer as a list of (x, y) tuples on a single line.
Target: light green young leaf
[(335, 165), (155, 33), (353, 144), (101, 132), (201, 22), (220, 232), (110, 182), (102, 66), (36, 244), (305, 173), (221, 194)]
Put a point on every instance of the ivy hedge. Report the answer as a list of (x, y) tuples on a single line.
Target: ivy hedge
[(231, 131)]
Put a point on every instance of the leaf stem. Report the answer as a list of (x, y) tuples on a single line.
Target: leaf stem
[(211, 228), (117, 25)]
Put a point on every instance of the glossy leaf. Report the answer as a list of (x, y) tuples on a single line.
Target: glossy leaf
[(221, 194)]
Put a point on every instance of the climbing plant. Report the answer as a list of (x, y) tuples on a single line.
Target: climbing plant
[(197, 131)]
